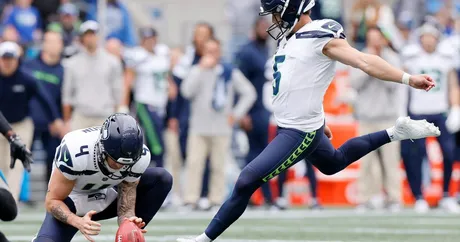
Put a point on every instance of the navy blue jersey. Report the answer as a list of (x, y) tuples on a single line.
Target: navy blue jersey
[(17, 90), (50, 78)]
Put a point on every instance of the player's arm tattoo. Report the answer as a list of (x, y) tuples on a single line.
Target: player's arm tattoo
[(59, 214), (126, 200)]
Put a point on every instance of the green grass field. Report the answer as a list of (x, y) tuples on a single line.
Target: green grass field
[(331, 225)]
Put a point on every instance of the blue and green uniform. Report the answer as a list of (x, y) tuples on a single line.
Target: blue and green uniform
[(49, 78)]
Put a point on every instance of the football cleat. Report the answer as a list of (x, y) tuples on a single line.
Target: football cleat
[(407, 128)]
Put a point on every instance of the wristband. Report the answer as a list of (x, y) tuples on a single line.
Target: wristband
[(405, 79)]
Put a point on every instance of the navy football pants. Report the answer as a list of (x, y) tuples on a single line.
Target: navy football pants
[(413, 154), (289, 147), (152, 190)]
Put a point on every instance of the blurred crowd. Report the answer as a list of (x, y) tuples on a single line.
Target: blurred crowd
[(205, 116)]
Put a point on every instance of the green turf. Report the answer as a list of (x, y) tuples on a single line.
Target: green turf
[(295, 225)]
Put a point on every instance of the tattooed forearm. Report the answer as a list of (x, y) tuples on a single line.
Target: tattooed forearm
[(126, 200), (59, 214)]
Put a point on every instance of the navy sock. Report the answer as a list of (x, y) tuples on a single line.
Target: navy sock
[(358, 147)]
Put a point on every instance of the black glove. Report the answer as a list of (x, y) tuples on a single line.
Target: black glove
[(19, 151)]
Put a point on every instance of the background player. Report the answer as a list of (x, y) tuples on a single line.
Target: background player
[(304, 66), (426, 57), (8, 207), (147, 71), (88, 164)]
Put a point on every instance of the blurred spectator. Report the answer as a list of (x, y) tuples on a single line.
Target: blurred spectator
[(241, 14), (427, 58), (444, 19), (118, 22), (148, 68), (10, 34), (372, 13), (26, 19), (251, 61), (409, 14), (115, 47), (68, 26), (49, 72), (328, 9), (173, 156), (17, 89), (210, 87), (92, 88), (47, 10), (434, 6), (180, 108), (379, 169), (4, 5)]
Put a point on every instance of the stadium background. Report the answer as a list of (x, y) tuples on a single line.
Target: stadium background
[(174, 20)]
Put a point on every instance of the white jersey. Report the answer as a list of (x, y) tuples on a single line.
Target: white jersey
[(302, 74), (77, 159), (438, 65), (152, 71)]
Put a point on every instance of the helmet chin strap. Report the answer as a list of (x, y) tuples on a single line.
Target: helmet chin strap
[(299, 12)]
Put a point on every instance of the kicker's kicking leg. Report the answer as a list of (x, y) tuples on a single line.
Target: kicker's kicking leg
[(330, 160)]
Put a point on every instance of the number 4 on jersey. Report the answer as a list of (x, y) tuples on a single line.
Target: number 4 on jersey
[(277, 74)]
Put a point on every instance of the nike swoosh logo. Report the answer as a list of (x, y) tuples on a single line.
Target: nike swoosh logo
[(331, 26), (65, 157)]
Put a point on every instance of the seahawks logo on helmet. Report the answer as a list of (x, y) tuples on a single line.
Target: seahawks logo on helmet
[(105, 130)]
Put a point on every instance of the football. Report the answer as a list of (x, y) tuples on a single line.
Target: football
[(129, 232)]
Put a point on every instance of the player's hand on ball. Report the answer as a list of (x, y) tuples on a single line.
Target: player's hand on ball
[(423, 82), (88, 227), (328, 132), (139, 223)]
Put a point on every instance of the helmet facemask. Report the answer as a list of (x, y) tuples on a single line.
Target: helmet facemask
[(279, 27), (102, 157), (289, 16)]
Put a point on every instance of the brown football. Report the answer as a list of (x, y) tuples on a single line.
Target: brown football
[(129, 232)]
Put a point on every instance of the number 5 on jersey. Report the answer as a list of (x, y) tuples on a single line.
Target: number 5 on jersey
[(277, 74)]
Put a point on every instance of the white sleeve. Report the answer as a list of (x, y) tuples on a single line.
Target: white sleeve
[(321, 35), (139, 168)]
